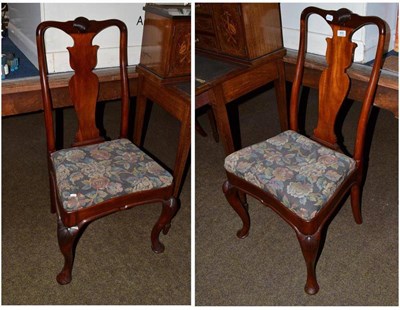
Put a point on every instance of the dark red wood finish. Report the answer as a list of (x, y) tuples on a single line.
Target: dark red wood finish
[(333, 88), (249, 34), (164, 93), (84, 90), (167, 40)]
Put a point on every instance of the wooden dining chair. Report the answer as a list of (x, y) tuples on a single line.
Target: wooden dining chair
[(304, 179), (94, 177)]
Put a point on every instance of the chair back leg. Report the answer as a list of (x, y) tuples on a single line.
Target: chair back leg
[(356, 202)]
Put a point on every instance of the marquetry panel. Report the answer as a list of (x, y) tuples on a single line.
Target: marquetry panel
[(230, 30), (166, 42), (180, 54)]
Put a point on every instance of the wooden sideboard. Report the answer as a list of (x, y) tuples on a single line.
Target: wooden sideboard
[(239, 48), (244, 31), (166, 41), (164, 75)]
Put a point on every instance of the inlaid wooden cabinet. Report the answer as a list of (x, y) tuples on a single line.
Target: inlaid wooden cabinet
[(243, 30), (166, 40)]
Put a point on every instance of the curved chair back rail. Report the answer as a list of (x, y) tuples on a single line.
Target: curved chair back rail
[(84, 84), (334, 82)]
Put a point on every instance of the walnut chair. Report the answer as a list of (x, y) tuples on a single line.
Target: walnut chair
[(305, 179), (94, 177)]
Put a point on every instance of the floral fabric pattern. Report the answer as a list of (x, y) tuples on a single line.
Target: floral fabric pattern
[(92, 174), (299, 172)]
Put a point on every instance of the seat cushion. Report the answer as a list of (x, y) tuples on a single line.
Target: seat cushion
[(296, 170), (92, 174)]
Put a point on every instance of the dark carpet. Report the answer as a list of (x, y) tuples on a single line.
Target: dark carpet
[(114, 262), (359, 263)]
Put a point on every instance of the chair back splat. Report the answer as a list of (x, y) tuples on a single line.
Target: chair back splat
[(304, 180), (334, 82), (84, 84)]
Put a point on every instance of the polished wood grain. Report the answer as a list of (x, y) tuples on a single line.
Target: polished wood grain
[(334, 83), (217, 100), (207, 42), (205, 29), (160, 33), (247, 34), (24, 95), (243, 30), (180, 51), (202, 8), (204, 24), (176, 103), (222, 90), (164, 90), (84, 88), (263, 28), (230, 29), (386, 96), (251, 78), (333, 87)]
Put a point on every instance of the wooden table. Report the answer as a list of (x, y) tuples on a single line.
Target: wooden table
[(24, 95), (174, 97), (230, 80), (220, 81)]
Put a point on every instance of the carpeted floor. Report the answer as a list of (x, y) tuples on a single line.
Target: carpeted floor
[(114, 262), (359, 263), (115, 265)]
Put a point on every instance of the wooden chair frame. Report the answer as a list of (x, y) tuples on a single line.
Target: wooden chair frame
[(84, 87), (311, 233)]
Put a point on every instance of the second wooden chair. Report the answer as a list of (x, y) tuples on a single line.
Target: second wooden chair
[(305, 179)]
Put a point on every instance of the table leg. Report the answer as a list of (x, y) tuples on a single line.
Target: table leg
[(218, 105), (213, 124), (141, 102), (280, 91), (200, 129), (182, 152), (59, 128)]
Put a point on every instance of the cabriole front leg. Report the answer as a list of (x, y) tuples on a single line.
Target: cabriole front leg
[(169, 209), (310, 246), (235, 200), (67, 238)]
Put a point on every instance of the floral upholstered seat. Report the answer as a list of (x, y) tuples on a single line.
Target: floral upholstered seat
[(92, 174), (299, 172)]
